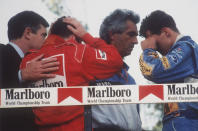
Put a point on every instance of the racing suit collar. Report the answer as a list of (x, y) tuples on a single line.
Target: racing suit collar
[(57, 40), (180, 36), (126, 66)]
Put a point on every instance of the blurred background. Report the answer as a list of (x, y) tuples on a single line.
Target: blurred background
[(91, 14)]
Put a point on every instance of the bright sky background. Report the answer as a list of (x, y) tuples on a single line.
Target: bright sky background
[(92, 12), (185, 13)]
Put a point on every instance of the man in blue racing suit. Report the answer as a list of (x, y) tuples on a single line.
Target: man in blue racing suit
[(178, 63)]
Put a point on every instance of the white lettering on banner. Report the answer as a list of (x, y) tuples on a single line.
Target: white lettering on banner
[(92, 95)]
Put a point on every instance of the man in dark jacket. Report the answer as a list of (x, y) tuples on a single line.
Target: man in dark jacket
[(26, 30)]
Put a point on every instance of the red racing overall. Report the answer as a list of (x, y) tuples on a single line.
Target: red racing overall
[(79, 64)]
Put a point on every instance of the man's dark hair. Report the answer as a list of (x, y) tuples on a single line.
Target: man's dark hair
[(18, 23), (60, 28), (116, 23), (155, 22)]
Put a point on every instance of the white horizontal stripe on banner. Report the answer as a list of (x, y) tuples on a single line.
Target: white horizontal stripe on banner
[(92, 95)]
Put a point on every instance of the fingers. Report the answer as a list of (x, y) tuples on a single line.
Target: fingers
[(45, 76), (40, 68), (78, 28), (51, 64), (71, 21), (45, 61), (49, 69), (72, 29), (150, 42)]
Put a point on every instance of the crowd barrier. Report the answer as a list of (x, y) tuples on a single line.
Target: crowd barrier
[(93, 95)]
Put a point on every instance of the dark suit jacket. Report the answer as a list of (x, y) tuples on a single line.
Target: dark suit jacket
[(10, 67), (13, 119), (1, 48)]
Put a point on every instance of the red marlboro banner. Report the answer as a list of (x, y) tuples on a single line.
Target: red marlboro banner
[(156, 90), (64, 93)]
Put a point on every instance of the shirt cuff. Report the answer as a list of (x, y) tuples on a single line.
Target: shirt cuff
[(20, 76)]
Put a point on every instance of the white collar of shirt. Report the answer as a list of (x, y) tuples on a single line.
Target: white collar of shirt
[(18, 50), (179, 37)]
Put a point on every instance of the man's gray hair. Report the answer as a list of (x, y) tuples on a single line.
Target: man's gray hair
[(116, 23)]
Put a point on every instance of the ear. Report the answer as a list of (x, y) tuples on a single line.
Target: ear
[(73, 37), (148, 33), (111, 36), (166, 31), (27, 33), (76, 38)]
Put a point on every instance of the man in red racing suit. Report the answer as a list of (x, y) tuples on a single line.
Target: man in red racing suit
[(79, 64)]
